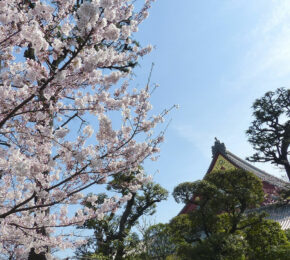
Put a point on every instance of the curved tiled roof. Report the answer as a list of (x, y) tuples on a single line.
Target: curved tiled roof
[(278, 213), (264, 176)]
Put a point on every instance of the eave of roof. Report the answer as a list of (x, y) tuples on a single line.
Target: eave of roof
[(264, 176), (278, 213), (240, 163)]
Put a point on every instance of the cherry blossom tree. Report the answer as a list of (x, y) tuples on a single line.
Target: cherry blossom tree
[(64, 65)]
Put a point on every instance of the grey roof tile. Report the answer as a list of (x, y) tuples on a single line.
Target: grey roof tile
[(264, 176), (279, 213)]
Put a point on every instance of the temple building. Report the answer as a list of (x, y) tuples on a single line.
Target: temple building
[(222, 159)]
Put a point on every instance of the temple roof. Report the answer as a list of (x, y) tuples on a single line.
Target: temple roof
[(225, 160), (220, 149), (278, 213), (264, 176)]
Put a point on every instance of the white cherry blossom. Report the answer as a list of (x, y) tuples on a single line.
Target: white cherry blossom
[(62, 82)]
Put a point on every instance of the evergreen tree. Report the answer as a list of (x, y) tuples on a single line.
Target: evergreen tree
[(269, 133), (223, 224), (113, 236)]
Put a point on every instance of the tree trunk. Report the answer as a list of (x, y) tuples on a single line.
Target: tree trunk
[(287, 168), (120, 251), (284, 149), (33, 256)]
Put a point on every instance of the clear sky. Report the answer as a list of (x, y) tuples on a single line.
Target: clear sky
[(213, 58)]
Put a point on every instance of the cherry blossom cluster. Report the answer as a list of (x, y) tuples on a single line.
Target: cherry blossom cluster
[(64, 65)]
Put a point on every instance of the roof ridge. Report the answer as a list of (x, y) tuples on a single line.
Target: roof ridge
[(256, 168), (269, 177)]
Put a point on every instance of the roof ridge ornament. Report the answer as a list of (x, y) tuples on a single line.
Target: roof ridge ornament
[(218, 147)]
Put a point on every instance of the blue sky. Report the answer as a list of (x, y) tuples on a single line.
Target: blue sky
[(213, 58)]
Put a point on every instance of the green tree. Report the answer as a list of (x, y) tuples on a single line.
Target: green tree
[(157, 243), (223, 225), (269, 133), (266, 241), (113, 234)]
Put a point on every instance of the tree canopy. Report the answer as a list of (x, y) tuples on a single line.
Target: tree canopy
[(224, 224), (69, 120), (113, 235), (269, 133), (157, 243)]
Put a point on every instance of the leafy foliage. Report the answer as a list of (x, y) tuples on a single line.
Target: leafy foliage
[(266, 241), (269, 133), (223, 224), (112, 234), (157, 242)]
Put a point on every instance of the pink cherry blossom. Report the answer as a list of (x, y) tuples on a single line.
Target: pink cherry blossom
[(63, 71)]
